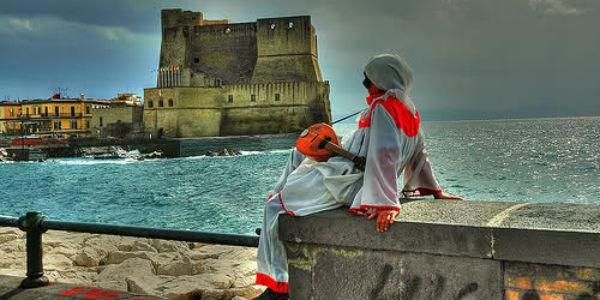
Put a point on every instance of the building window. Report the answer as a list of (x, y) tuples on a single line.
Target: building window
[(150, 104), (170, 102), (46, 111), (87, 109), (253, 98), (72, 111), (161, 103), (12, 112), (277, 97), (217, 82), (57, 125), (56, 110), (230, 98), (101, 122), (87, 124), (196, 60), (73, 124), (27, 111)]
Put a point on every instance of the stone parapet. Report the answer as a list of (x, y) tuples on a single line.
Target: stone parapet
[(448, 250)]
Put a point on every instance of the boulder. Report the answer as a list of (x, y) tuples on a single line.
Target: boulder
[(146, 284), (142, 246), (175, 268), (131, 267), (111, 285), (8, 237), (170, 246), (54, 261), (89, 257), (117, 257)]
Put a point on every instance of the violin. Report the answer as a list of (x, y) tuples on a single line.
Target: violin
[(320, 142)]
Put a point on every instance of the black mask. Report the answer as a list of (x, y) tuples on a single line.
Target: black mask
[(366, 82)]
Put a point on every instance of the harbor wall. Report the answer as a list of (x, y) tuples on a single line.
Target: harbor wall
[(448, 250)]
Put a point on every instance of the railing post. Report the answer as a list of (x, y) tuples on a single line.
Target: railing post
[(31, 224)]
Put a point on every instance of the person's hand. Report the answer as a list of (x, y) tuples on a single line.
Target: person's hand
[(445, 196), (385, 218)]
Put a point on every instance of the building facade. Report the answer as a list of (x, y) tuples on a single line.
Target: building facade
[(121, 118), (218, 79), (56, 118)]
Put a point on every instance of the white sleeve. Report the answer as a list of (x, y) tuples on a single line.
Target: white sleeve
[(418, 174), (380, 189)]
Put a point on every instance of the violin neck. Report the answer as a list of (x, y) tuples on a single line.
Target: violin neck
[(340, 151)]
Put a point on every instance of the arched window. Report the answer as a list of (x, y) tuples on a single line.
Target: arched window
[(161, 103), (170, 102), (150, 104)]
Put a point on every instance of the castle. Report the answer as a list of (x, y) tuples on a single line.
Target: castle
[(216, 78)]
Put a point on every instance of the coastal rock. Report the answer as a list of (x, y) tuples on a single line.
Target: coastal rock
[(8, 237), (55, 261), (171, 269), (117, 257), (131, 267), (170, 246), (88, 257), (146, 284), (176, 268)]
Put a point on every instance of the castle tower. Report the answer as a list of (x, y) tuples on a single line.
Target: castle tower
[(287, 50)]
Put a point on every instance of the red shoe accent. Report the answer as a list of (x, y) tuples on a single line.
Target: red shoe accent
[(268, 281)]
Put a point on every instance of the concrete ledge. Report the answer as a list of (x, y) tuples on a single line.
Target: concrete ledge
[(462, 248)]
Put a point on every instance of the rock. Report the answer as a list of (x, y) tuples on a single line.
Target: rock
[(142, 246), (12, 230), (244, 281), (131, 267), (238, 298), (67, 252), (8, 237), (176, 268), (111, 285), (170, 246), (13, 245), (57, 261), (88, 257), (146, 284), (117, 257)]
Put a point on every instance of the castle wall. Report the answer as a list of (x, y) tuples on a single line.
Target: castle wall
[(286, 50), (237, 109), (225, 52)]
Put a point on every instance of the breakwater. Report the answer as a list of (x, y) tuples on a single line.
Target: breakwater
[(448, 250)]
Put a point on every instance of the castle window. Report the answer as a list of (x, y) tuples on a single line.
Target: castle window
[(290, 25), (273, 26), (196, 60), (170, 102), (230, 98), (277, 97), (253, 98), (150, 104), (161, 103)]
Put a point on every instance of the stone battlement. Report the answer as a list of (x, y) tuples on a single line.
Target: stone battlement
[(448, 250)]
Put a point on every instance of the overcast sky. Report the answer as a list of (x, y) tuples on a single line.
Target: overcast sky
[(473, 59)]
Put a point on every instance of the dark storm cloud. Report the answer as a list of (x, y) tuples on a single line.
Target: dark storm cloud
[(472, 58)]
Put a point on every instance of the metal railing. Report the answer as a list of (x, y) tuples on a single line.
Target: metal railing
[(35, 225)]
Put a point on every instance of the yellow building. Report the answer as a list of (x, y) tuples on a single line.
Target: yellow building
[(57, 117)]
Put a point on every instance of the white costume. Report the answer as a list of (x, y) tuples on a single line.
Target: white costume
[(388, 136)]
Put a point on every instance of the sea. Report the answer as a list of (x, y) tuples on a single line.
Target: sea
[(534, 160)]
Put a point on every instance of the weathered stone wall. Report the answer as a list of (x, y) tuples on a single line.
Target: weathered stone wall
[(233, 110), (130, 115), (226, 52), (448, 250)]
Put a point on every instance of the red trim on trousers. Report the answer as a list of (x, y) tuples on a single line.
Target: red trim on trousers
[(291, 213), (272, 284)]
